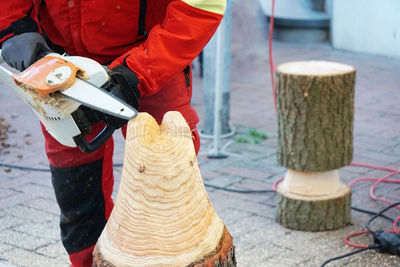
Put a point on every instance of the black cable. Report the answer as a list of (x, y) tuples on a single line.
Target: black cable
[(367, 225), (383, 242), (348, 254), (239, 191), (25, 168), (372, 213)]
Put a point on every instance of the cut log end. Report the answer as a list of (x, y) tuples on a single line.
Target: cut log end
[(222, 256), (162, 214), (315, 103), (315, 68), (314, 214)]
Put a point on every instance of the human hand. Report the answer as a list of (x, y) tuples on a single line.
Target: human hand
[(124, 85), (20, 51)]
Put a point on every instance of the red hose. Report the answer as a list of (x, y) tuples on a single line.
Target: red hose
[(271, 59), (346, 239)]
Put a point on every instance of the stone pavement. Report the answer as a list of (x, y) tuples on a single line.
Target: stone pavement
[(29, 233)]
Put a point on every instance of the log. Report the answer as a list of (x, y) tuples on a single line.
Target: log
[(314, 201), (315, 102), (162, 215)]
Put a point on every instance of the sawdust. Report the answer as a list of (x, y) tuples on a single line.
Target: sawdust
[(59, 102), (3, 129), (50, 99), (4, 145)]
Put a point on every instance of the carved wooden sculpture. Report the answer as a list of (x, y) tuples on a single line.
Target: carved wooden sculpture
[(315, 128), (162, 215)]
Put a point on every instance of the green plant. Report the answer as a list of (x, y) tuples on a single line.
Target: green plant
[(242, 139), (257, 134), (253, 137)]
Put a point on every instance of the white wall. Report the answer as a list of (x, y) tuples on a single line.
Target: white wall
[(369, 26)]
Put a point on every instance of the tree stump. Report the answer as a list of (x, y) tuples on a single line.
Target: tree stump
[(313, 201), (162, 214), (315, 101)]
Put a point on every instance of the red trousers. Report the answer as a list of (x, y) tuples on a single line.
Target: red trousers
[(83, 184)]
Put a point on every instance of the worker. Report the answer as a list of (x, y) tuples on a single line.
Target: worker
[(149, 43)]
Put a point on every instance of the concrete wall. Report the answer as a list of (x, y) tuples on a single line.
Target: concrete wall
[(369, 26)]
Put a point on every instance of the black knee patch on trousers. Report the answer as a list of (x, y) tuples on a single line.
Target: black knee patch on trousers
[(80, 198)]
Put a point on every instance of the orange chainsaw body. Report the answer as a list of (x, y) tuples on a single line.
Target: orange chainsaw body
[(48, 75)]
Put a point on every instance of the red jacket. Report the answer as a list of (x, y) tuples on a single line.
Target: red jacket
[(107, 30)]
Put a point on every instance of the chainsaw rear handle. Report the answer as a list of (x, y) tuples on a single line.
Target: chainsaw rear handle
[(85, 118), (96, 143)]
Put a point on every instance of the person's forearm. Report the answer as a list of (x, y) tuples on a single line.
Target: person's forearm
[(170, 47), (16, 17)]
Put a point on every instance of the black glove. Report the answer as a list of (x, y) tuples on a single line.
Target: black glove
[(124, 85), (20, 51)]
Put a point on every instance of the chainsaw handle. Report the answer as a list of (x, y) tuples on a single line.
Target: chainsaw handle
[(96, 143)]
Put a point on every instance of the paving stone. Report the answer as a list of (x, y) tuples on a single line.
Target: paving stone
[(265, 198), (267, 166), (372, 258), (45, 205), (5, 264), (8, 221), (54, 250), (289, 258), (28, 258), (393, 195), (21, 240), (252, 184), (15, 200), (217, 164), (249, 224), (206, 174), (252, 150), (262, 236), (258, 255), (44, 181), (38, 190), (31, 214), (13, 182), (223, 200), (377, 158), (47, 230), (5, 193), (4, 247), (224, 180), (244, 172), (231, 216)]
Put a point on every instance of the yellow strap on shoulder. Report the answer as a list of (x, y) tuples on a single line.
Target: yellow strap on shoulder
[(215, 6)]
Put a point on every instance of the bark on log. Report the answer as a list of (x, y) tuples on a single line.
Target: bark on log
[(162, 215), (305, 202), (315, 115)]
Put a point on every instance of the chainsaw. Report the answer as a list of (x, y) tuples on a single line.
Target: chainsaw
[(66, 93)]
